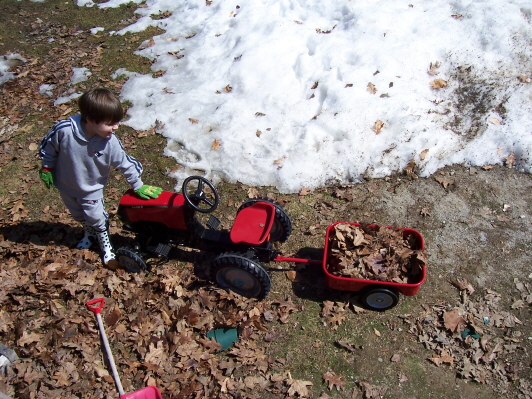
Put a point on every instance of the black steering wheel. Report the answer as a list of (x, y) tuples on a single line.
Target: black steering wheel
[(196, 196)]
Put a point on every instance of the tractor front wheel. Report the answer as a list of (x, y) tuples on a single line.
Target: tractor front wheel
[(131, 260), (241, 275)]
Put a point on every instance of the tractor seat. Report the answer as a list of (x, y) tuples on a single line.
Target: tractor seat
[(253, 224)]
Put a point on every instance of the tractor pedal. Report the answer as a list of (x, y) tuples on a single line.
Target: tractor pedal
[(213, 222), (163, 250)]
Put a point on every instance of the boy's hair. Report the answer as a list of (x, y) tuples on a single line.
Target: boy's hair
[(100, 105)]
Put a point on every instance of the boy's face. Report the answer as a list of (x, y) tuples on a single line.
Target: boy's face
[(102, 129)]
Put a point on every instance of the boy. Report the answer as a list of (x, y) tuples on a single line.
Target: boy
[(77, 155)]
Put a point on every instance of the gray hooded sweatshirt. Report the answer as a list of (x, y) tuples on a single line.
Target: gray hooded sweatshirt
[(81, 166)]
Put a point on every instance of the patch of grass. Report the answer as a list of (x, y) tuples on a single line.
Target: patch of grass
[(119, 51), (310, 347)]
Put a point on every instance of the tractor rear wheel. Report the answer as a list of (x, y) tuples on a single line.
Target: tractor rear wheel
[(242, 275), (282, 225)]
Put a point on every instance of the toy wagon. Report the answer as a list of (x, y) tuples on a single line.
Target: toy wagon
[(375, 294), (170, 221)]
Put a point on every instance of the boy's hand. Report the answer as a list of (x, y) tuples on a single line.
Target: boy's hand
[(47, 177), (147, 192)]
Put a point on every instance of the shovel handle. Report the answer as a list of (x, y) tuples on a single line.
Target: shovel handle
[(96, 305)]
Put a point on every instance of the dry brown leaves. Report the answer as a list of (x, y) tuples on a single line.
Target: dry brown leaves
[(379, 125), (156, 323), (334, 381), (477, 338), (438, 83), (444, 181), (373, 253)]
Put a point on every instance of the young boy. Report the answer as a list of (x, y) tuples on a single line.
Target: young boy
[(77, 156)]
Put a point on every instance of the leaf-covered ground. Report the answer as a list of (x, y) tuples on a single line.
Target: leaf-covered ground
[(466, 333)]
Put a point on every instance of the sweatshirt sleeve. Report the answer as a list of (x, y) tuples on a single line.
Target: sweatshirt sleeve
[(49, 147), (129, 166)]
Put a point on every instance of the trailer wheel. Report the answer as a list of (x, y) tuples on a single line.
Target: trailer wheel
[(131, 261), (379, 299), (241, 275), (282, 224)]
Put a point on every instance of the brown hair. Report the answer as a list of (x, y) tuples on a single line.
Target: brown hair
[(100, 105)]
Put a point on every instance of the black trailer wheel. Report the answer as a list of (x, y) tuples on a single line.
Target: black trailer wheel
[(241, 275), (379, 298), (282, 225), (131, 260)]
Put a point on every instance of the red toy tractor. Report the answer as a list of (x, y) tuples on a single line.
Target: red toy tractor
[(170, 220)]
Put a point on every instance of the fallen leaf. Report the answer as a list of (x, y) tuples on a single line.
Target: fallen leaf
[(215, 145), (253, 192), (299, 387), (410, 169), (193, 121), (524, 79), (444, 181), (377, 332), (495, 121), (228, 89), (440, 359), (424, 211), (371, 391), (423, 154), (112, 318), (349, 347), (438, 83), (371, 88), (453, 320), (377, 128), (433, 68), (463, 285), (293, 276), (510, 160), (334, 381), (278, 161)]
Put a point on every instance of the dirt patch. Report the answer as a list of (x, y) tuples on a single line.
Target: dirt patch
[(476, 231)]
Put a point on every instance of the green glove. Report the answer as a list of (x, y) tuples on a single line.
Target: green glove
[(47, 177), (147, 192)]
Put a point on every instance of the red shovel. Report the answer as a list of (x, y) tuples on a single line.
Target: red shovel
[(149, 392)]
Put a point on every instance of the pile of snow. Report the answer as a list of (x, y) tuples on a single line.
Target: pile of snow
[(8, 62), (304, 93)]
